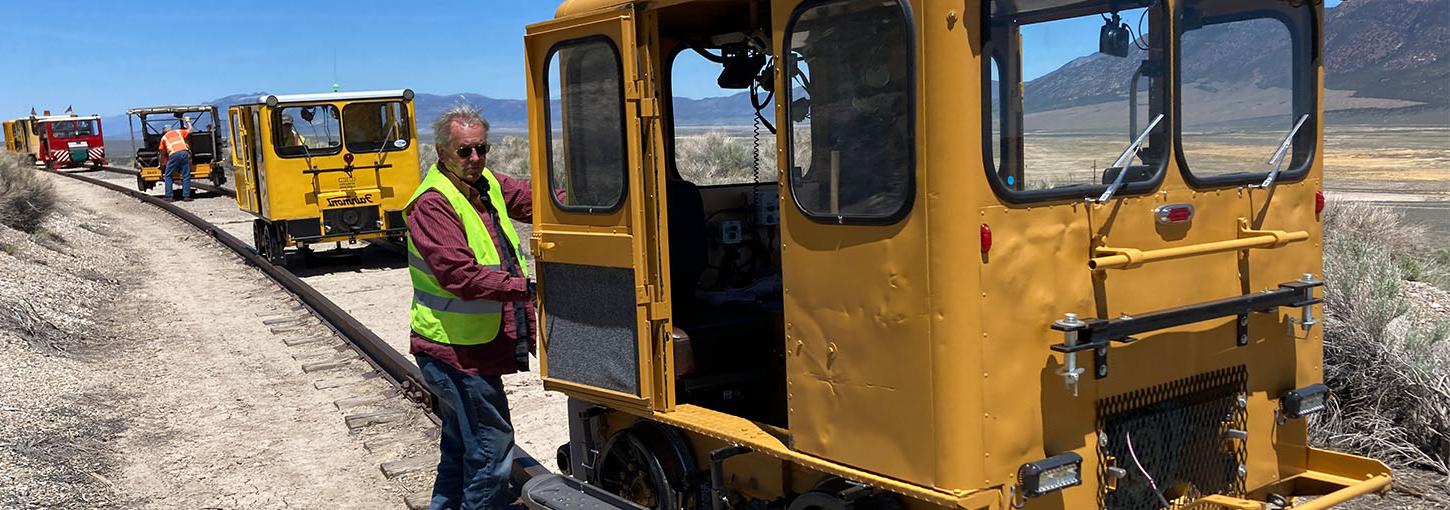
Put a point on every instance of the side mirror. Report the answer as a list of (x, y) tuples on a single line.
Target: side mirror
[(1113, 37)]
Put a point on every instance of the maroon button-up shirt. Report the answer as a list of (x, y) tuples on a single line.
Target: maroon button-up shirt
[(438, 235)]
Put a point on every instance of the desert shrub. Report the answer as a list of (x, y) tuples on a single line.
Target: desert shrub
[(26, 198), (713, 158), (1390, 376)]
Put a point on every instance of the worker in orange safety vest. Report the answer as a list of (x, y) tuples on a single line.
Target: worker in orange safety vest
[(177, 155)]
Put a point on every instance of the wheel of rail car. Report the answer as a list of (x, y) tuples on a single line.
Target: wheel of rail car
[(218, 177), (650, 465), (561, 459), (141, 183), (835, 494), (260, 236), (276, 249)]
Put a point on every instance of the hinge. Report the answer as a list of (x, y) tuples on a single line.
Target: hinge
[(649, 108)]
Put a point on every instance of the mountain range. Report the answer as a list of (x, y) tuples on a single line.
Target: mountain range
[(1386, 61)]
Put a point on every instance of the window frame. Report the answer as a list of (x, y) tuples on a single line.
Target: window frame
[(624, 167), (1304, 65), (405, 131), (276, 120), (784, 122), (1073, 193)]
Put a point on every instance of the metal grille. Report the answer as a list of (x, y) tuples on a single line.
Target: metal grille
[(1179, 434)]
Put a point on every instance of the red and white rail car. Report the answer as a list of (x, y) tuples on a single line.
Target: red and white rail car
[(70, 141)]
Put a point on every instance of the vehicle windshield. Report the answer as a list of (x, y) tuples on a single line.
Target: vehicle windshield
[(72, 128), (1246, 79), (160, 123), (307, 130), (376, 127), (1071, 87)]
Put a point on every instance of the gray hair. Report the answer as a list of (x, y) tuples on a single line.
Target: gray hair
[(464, 114)]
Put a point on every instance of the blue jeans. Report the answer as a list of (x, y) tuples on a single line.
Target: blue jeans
[(179, 161), (477, 441)]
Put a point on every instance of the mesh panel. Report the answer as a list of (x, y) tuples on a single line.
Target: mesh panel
[(1178, 433), (590, 325)]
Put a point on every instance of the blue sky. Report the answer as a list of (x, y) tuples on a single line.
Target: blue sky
[(288, 46)]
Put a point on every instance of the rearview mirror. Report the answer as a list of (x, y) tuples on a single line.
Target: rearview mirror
[(307, 114), (1113, 37)]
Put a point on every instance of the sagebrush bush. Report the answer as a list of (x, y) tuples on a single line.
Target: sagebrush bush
[(1391, 377), (26, 198)]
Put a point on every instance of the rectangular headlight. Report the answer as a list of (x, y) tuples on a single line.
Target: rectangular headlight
[(1051, 474), (1304, 401)]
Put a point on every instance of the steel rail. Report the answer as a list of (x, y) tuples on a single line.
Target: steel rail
[(401, 372), (198, 185)]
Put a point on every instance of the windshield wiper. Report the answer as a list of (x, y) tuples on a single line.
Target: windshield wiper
[(1278, 158), (1127, 156)]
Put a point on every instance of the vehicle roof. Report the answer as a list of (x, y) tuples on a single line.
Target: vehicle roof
[(570, 7), (333, 96), (147, 110), (57, 118)]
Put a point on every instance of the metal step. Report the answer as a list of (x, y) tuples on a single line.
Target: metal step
[(560, 492)]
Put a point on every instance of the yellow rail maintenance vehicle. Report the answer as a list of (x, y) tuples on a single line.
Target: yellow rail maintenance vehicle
[(949, 308), (205, 140), (22, 137), (328, 167), (13, 141)]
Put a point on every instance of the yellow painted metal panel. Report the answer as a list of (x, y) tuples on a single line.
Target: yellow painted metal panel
[(858, 332), (1033, 273)]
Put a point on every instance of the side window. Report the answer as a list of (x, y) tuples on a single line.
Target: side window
[(307, 130), (375, 127), (851, 130), (1237, 112), (587, 158)]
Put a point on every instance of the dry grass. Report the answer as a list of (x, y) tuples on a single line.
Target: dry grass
[(26, 198), (1390, 370)]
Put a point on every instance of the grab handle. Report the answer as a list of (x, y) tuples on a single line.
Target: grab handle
[(1108, 257)]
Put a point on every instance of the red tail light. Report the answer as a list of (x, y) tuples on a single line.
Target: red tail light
[(1173, 213), (986, 238), (1318, 202), (347, 158)]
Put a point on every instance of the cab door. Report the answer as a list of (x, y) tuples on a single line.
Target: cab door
[(601, 294), (243, 166)]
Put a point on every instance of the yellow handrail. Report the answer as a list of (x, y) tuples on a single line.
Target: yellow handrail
[(1124, 258)]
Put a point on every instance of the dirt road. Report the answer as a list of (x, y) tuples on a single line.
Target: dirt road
[(139, 367)]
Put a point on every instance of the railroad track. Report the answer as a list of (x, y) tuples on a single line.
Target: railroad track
[(390, 363), (387, 361)]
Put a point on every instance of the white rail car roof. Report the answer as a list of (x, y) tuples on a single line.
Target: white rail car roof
[(274, 99), (148, 110)]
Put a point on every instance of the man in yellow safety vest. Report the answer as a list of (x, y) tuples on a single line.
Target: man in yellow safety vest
[(472, 315), (176, 155)]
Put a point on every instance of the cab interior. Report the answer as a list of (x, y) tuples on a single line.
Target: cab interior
[(724, 231), (202, 140)]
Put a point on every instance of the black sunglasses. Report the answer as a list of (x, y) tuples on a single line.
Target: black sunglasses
[(466, 151)]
